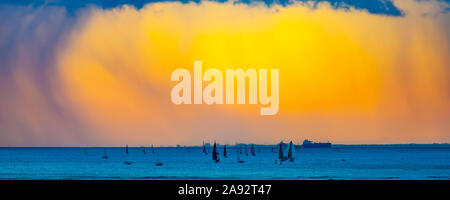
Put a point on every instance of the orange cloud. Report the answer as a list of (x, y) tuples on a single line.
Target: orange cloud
[(346, 76)]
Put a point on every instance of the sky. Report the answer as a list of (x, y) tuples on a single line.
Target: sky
[(98, 73)]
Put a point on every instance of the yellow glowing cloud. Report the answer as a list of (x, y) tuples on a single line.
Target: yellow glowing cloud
[(344, 75)]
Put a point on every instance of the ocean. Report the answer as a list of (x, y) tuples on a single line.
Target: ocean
[(72, 163)]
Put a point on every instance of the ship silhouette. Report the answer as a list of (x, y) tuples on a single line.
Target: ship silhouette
[(310, 144)]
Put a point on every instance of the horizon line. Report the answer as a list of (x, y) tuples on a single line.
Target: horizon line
[(182, 146)]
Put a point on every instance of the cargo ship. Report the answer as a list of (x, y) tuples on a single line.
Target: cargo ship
[(310, 144)]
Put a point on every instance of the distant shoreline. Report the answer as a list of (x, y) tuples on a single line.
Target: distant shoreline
[(410, 145), (394, 145)]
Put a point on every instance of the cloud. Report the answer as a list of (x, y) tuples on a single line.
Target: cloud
[(102, 77), (381, 7), (29, 40)]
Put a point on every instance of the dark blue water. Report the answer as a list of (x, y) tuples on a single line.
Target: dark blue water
[(178, 163)]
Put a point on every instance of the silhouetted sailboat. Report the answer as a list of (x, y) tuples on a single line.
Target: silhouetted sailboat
[(239, 158), (280, 153), (215, 153), (105, 156), (204, 149), (252, 150), (158, 163), (126, 151), (291, 150), (225, 151)]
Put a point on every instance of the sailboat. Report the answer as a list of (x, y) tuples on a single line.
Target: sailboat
[(240, 149), (143, 150), (127, 163), (126, 151), (280, 153), (105, 156), (239, 158), (204, 149), (291, 151), (246, 151), (159, 163), (215, 155), (225, 151), (252, 150)]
